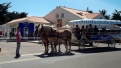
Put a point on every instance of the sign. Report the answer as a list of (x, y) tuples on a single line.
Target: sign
[(100, 37)]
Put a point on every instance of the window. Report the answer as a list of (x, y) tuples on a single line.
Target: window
[(62, 15), (57, 15)]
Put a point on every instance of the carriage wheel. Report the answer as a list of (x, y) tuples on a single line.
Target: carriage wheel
[(111, 43), (81, 45)]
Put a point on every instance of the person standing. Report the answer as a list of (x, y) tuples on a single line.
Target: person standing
[(18, 40), (96, 30), (77, 32), (90, 33)]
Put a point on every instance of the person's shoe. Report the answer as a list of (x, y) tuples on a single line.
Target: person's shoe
[(17, 56)]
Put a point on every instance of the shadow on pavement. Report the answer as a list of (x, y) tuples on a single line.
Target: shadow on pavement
[(97, 50), (54, 55)]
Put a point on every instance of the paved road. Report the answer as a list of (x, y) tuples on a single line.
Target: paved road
[(101, 57)]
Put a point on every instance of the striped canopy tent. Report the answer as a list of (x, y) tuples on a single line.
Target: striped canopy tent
[(5, 29)]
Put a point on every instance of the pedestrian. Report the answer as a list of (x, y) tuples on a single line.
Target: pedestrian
[(18, 40)]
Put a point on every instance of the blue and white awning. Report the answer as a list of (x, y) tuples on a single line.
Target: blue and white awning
[(95, 21)]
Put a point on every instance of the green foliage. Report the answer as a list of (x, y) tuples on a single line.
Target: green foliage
[(116, 15), (104, 13), (6, 16)]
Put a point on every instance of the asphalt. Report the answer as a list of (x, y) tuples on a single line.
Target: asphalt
[(32, 57)]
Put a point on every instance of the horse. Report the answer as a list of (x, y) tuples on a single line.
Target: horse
[(56, 36), (59, 43), (43, 38)]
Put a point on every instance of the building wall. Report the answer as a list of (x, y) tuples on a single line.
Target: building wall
[(22, 25), (28, 25), (67, 16), (100, 17)]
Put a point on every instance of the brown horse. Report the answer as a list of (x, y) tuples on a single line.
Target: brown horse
[(45, 41), (43, 38), (56, 36)]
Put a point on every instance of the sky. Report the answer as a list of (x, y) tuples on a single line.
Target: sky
[(42, 7)]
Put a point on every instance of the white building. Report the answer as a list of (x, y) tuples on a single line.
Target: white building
[(61, 15), (27, 24)]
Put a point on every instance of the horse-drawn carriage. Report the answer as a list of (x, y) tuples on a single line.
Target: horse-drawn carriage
[(49, 34), (109, 37)]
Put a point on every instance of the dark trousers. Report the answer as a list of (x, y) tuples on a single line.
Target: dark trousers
[(18, 48)]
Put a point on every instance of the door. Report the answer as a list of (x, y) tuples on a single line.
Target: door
[(25, 31), (59, 22)]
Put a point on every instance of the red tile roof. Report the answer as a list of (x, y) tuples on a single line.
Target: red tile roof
[(80, 13), (32, 19)]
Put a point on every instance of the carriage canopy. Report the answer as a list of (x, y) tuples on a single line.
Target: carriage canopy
[(110, 24), (94, 21)]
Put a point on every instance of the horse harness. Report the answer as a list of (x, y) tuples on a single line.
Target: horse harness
[(51, 34)]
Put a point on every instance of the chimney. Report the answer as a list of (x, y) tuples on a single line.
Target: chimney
[(87, 9)]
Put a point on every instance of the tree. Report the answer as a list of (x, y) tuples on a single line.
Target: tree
[(3, 11), (23, 14), (104, 13), (116, 15), (15, 15), (6, 16)]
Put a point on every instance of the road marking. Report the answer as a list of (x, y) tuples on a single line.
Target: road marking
[(31, 54), (19, 60)]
